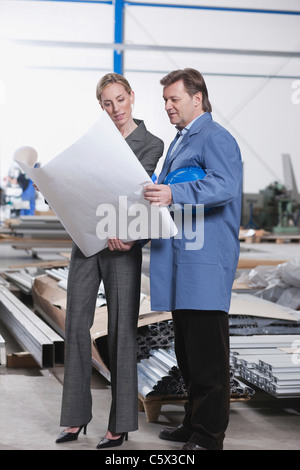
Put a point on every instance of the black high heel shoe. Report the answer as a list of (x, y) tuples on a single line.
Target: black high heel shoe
[(70, 436), (105, 443)]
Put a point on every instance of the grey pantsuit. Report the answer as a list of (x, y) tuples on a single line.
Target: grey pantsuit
[(121, 274)]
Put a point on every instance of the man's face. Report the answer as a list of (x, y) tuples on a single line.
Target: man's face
[(180, 106)]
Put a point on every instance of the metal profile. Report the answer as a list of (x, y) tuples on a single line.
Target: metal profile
[(2, 351), (263, 341), (271, 369), (123, 47), (30, 331)]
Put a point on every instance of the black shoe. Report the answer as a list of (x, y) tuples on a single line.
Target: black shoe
[(70, 436), (105, 443), (179, 434), (193, 446)]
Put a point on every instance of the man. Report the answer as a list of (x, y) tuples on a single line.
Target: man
[(195, 284)]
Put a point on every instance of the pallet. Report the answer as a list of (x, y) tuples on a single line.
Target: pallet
[(152, 405), (273, 239)]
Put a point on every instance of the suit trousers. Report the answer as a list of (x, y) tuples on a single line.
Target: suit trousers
[(202, 351), (121, 274)]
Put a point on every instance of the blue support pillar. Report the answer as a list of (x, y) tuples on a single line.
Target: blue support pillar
[(119, 36)]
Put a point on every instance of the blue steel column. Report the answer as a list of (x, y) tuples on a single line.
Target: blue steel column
[(119, 36)]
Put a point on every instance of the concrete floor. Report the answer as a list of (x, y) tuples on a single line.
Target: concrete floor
[(30, 400)]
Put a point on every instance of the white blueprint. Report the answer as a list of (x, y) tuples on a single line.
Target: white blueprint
[(99, 169)]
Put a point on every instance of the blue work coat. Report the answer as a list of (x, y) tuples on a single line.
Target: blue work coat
[(201, 279)]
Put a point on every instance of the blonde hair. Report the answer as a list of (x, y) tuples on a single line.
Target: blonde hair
[(110, 78)]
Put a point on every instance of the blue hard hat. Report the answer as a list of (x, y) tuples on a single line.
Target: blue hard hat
[(188, 173)]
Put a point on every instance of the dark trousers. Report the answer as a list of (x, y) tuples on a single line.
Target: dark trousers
[(202, 351)]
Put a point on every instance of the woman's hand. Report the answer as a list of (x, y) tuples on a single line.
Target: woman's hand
[(115, 244), (158, 194)]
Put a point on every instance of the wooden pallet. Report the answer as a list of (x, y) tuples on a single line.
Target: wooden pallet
[(276, 238), (152, 405)]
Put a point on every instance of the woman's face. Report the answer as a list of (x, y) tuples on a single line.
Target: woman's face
[(117, 102)]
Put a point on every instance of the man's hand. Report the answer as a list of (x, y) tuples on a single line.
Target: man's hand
[(158, 194), (115, 244)]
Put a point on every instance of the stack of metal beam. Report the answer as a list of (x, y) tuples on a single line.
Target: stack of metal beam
[(273, 369), (240, 325), (39, 227), (155, 336), (238, 389), (30, 331), (159, 375), (158, 372), (23, 278), (61, 275)]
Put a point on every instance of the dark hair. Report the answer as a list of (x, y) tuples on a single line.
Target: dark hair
[(193, 82)]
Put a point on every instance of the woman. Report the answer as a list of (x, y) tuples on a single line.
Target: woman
[(119, 266)]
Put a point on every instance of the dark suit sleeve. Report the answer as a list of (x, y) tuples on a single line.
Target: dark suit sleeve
[(152, 151), (151, 154)]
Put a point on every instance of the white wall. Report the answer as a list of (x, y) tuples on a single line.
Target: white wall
[(47, 94)]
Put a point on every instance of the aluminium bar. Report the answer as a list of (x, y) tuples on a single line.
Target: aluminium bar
[(105, 2), (152, 371), (256, 351), (144, 373), (56, 340), (184, 6), (149, 372), (213, 8), (263, 341), (161, 365), (165, 357), (152, 47), (27, 335), (144, 387), (42, 233), (164, 72), (46, 346), (2, 351)]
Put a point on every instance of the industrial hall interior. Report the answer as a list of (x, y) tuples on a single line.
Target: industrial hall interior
[(70, 180)]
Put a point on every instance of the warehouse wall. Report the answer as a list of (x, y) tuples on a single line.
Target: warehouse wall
[(47, 93)]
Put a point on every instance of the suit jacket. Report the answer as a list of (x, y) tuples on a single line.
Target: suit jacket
[(201, 279), (147, 147)]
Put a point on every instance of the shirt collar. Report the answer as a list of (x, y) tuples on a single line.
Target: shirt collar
[(186, 128)]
